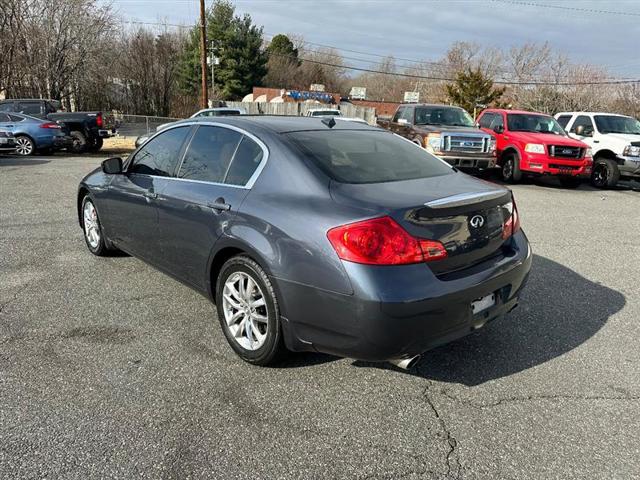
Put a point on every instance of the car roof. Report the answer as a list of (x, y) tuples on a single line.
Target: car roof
[(505, 110), (592, 113), (429, 105), (281, 123)]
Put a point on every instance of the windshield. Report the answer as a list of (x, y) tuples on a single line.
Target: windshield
[(362, 156), (527, 122), (616, 124), (437, 115)]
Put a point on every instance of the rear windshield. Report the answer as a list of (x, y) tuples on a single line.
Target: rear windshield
[(361, 156)]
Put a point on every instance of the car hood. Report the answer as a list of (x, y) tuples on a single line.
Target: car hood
[(547, 139), (394, 195), (447, 128)]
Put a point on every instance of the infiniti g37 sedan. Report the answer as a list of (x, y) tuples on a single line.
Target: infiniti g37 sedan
[(313, 235)]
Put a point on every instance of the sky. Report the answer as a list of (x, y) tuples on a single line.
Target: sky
[(600, 32)]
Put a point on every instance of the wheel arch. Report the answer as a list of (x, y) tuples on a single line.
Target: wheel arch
[(605, 153), (511, 149), (83, 191)]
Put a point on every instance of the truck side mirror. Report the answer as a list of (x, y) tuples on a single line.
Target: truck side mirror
[(403, 121), (579, 130), (112, 166), (498, 129)]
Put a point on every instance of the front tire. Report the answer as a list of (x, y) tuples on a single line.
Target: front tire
[(93, 234), (25, 146), (248, 311), (605, 173), (511, 169)]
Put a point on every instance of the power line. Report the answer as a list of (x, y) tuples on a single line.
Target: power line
[(449, 79), (563, 7)]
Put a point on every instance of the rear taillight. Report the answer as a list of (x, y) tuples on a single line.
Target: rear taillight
[(512, 225), (50, 125), (99, 122), (381, 241)]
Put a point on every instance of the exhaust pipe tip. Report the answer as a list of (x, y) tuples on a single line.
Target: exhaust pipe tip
[(405, 363)]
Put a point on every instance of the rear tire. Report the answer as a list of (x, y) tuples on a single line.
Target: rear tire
[(605, 173), (79, 142), (25, 146), (248, 311), (570, 182), (511, 169)]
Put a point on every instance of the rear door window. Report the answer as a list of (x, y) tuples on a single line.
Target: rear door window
[(209, 154), (4, 118), (351, 156), (245, 162), (160, 155)]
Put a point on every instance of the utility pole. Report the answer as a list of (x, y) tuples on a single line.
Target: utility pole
[(204, 102), (213, 83)]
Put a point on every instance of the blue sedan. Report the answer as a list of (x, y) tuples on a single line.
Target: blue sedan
[(33, 134)]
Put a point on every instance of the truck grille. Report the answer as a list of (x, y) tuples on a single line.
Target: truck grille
[(466, 143), (562, 151)]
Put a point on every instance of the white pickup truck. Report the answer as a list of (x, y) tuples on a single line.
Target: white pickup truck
[(614, 140)]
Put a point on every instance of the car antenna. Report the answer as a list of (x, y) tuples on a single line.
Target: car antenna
[(329, 122)]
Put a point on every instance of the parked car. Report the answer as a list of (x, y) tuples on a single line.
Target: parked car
[(312, 235), (531, 143), (34, 134), (323, 112), (614, 140), (88, 129), (7, 142), (446, 131)]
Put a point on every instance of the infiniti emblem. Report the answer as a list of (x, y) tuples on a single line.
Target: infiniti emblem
[(477, 221)]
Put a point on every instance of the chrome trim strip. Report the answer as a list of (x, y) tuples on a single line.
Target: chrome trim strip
[(252, 179), (465, 199)]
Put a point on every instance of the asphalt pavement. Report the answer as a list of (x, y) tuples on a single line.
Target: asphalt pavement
[(110, 369)]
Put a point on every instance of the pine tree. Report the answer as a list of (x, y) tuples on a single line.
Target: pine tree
[(472, 88)]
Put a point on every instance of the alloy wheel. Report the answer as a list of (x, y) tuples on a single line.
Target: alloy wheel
[(91, 226), (24, 146), (507, 169), (245, 311)]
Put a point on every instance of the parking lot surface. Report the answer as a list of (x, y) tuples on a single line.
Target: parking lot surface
[(110, 369)]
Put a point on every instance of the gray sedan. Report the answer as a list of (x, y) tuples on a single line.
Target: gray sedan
[(313, 235)]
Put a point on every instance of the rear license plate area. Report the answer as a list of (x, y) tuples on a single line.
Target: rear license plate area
[(481, 304)]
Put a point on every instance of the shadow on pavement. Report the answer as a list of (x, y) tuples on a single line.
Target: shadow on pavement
[(559, 311), (20, 161)]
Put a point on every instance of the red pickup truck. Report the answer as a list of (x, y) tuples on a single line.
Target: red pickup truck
[(535, 144)]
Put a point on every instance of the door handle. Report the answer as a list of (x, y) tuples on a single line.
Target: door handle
[(151, 195), (596, 141), (219, 205)]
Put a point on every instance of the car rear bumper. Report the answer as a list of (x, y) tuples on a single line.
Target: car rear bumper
[(399, 312), (544, 165)]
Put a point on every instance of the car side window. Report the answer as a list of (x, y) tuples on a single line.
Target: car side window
[(497, 121), (161, 154), (245, 162), (15, 118), (485, 120), (398, 114), (563, 120), (209, 154), (4, 118), (29, 108), (584, 121), (6, 107)]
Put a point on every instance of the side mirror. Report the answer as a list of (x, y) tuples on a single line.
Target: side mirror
[(579, 130), (112, 166), (403, 121), (498, 129)]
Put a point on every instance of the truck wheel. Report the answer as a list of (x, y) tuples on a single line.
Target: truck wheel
[(605, 173), (95, 145), (79, 142), (511, 169), (570, 182)]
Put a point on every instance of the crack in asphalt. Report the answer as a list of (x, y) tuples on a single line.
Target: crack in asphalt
[(549, 397), (451, 440)]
